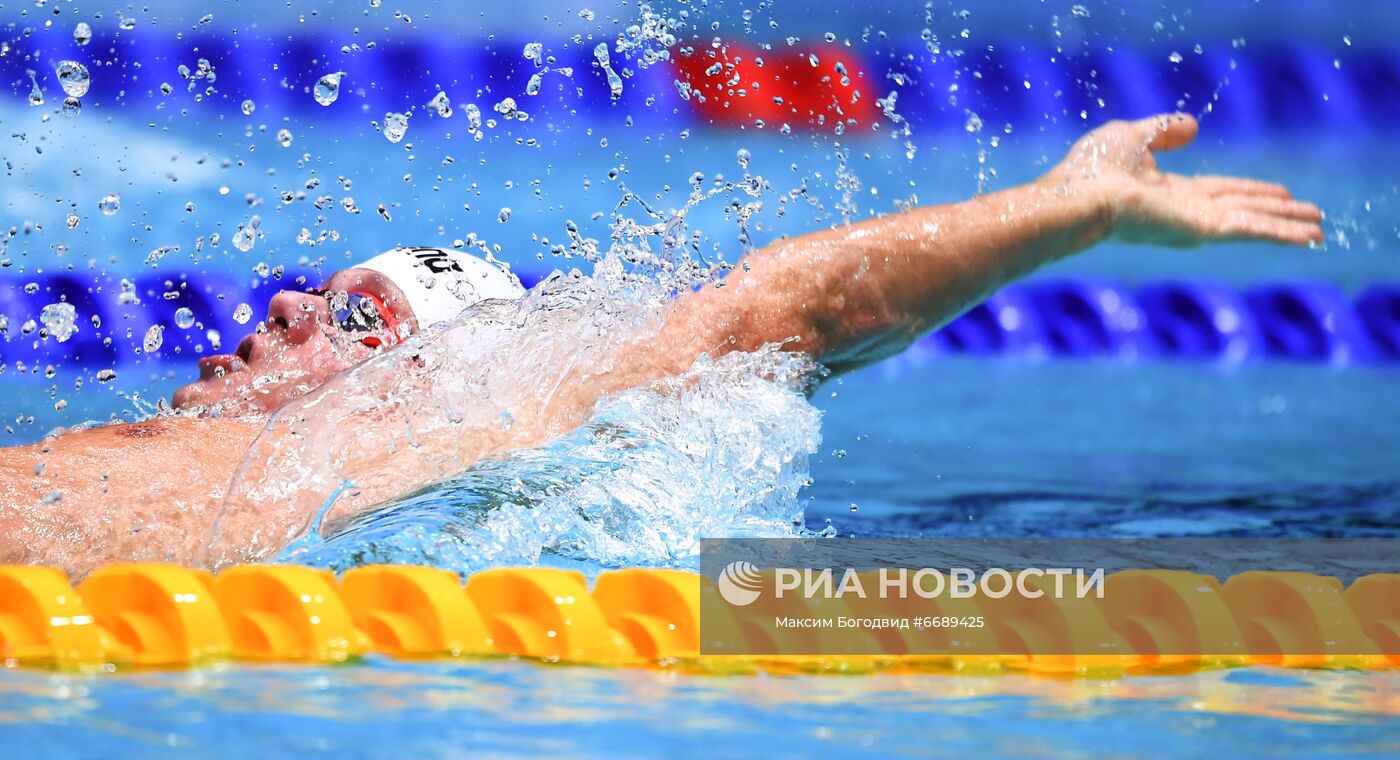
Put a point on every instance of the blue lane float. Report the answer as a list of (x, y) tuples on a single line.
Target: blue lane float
[(1091, 318), (1379, 310), (1309, 322), (1200, 320), (1185, 320), (1006, 323)]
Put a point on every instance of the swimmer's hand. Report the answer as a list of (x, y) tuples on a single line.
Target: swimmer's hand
[(1145, 205)]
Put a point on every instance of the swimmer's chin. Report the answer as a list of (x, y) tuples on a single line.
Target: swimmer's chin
[(252, 399)]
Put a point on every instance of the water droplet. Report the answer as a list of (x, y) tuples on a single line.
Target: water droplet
[(534, 51), (154, 337), (72, 107), (1079, 11), (504, 216), (60, 320), (106, 375), (507, 108), (974, 123), (744, 157), (245, 237), (73, 77), (109, 204), (284, 138), (249, 107), (184, 318), (36, 95), (82, 33), (1175, 57), (812, 59), (72, 221), (586, 14), (441, 105), (395, 125), (328, 88), (614, 81), (375, 3), (242, 313)]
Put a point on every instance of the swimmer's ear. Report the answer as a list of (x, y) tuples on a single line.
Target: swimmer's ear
[(1168, 131)]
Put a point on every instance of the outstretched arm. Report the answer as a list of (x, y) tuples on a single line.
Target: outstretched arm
[(855, 294)]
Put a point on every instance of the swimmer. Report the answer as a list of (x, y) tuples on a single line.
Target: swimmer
[(847, 296)]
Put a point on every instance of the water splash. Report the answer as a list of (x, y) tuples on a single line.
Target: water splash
[(512, 461), (720, 450)]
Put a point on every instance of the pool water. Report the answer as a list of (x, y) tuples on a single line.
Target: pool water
[(1103, 448), (510, 709)]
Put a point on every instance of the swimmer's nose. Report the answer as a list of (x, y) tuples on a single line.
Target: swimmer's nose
[(300, 314)]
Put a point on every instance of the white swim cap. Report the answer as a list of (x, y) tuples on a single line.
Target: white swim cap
[(439, 282)]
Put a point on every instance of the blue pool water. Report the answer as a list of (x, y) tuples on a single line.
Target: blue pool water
[(392, 709), (920, 445)]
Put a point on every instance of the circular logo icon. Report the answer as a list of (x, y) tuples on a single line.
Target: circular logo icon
[(739, 583)]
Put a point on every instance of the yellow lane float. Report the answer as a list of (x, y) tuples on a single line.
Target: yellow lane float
[(153, 615)]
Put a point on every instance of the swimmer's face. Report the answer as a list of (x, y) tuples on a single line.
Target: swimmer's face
[(297, 348)]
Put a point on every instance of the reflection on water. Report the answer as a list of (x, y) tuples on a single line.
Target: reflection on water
[(516, 708)]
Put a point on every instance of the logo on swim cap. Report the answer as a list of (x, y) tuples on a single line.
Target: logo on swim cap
[(435, 260), (438, 283), (739, 583)]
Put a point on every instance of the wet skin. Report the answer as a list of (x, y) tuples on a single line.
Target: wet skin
[(294, 350)]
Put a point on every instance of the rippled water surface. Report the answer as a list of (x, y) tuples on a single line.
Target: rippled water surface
[(510, 709)]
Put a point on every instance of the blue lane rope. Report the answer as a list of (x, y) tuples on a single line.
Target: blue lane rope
[(1183, 319)]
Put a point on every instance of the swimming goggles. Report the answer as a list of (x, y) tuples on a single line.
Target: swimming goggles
[(360, 312)]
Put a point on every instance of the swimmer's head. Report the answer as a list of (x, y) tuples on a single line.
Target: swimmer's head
[(309, 336)]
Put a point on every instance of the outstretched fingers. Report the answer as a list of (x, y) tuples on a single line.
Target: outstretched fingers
[(1247, 224), (1284, 208), (1216, 185)]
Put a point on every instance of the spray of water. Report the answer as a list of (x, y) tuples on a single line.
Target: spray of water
[(565, 425)]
